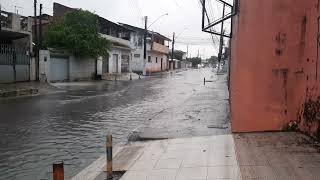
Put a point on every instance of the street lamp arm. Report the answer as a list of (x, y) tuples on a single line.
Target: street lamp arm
[(157, 20)]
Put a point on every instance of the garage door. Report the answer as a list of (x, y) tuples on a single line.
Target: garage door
[(59, 69)]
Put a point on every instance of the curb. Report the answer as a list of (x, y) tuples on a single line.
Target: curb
[(20, 92)]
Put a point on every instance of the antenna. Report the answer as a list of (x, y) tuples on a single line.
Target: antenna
[(16, 9)]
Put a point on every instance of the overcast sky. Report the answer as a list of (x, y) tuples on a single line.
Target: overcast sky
[(184, 18)]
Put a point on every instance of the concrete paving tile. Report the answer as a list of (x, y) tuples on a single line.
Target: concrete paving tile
[(134, 175), (290, 172), (195, 159), (222, 160), (168, 164), (163, 174), (174, 155), (187, 146), (198, 173), (257, 172), (251, 157), (223, 172), (143, 165), (189, 140)]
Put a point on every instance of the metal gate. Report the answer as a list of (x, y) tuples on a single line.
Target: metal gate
[(59, 68), (14, 64)]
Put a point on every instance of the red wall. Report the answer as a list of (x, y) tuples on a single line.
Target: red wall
[(274, 65)]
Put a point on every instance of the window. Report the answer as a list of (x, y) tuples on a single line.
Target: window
[(156, 59), (149, 59), (136, 55)]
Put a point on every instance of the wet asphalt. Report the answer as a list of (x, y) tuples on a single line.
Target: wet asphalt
[(71, 126)]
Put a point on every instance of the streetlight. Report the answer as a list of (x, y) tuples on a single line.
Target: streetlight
[(146, 27), (166, 14)]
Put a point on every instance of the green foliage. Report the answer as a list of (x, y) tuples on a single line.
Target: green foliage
[(213, 60), (78, 34), (195, 61), (177, 54)]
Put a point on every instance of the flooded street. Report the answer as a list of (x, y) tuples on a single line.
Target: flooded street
[(71, 126)]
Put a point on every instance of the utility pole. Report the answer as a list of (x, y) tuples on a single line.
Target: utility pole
[(0, 17), (40, 27), (221, 39), (145, 45), (172, 49), (36, 52), (187, 51)]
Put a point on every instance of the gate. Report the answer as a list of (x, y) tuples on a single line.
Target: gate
[(14, 64), (125, 63)]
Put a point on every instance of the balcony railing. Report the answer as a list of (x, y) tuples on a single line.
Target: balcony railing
[(160, 48)]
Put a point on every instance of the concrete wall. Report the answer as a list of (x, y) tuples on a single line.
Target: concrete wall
[(274, 66), (44, 66), (137, 62), (81, 68)]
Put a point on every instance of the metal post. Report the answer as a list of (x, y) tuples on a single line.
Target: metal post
[(221, 39), (109, 157), (0, 17), (36, 52), (145, 44), (172, 50), (40, 27), (203, 12), (58, 171)]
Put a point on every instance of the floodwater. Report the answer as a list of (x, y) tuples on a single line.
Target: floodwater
[(71, 126)]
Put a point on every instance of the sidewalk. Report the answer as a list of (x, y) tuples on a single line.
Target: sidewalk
[(25, 89), (272, 156)]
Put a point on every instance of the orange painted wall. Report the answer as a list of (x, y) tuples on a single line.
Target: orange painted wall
[(274, 65)]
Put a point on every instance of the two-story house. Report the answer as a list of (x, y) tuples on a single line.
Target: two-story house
[(157, 50), (16, 63), (119, 60)]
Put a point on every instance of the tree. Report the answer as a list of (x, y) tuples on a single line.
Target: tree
[(195, 61), (78, 34), (213, 60), (177, 54)]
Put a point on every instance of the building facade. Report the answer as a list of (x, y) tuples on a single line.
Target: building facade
[(275, 66), (16, 51), (58, 65), (157, 51)]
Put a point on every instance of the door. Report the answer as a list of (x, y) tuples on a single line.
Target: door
[(115, 61), (125, 63), (161, 64), (105, 65), (59, 68)]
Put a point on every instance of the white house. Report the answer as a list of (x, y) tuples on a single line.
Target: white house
[(157, 50), (56, 65)]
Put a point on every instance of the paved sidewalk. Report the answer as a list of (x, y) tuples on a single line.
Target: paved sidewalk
[(263, 156), (199, 158)]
